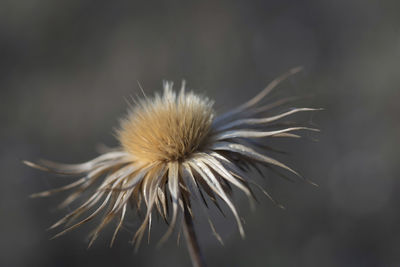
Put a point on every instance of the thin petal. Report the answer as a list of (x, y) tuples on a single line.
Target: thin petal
[(190, 181), (119, 225), (173, 187), (135, 179), (79, 168), (152, 194), (163, 209), (219, 168), (117, 177), (211, 180), (257, 134), (59, 189), (90, 217), (255, 121), (92, 177), (84, 207), (250, 153)]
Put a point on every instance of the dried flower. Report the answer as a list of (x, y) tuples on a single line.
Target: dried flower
[(173, 149)]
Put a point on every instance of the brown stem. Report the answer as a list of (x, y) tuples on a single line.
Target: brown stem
[(191, 241)]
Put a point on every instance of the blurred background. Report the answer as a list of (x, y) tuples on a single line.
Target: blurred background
[(67, 69)]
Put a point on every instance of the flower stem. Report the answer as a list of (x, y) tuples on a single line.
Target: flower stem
[(191, 241)]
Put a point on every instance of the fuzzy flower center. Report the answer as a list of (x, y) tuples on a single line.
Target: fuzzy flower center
[(167, 128)]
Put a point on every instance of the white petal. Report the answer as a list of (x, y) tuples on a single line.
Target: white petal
[(121, 220), (152, 194), (85, 206), (212, 181), (190, 181), (255, 121), (79, 168), (59, 189), (134, 179), (173, 187), (90, 217), (92, 177), (256, 134), (220, 169), (122, 173), (248, 152)]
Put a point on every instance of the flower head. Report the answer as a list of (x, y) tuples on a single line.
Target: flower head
[(174, 149)]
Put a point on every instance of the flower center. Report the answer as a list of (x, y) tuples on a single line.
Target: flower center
[(167, 128)]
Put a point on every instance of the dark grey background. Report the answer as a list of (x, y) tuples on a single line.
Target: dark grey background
[(66, 68)]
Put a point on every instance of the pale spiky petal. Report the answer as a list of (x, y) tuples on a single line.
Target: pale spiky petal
[(257, 134), (257, 121), (175, 151), (210, 179)]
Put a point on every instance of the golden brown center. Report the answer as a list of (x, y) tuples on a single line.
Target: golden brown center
[(167, 128)]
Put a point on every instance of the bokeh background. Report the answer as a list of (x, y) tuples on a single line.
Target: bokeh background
[(67, 69)]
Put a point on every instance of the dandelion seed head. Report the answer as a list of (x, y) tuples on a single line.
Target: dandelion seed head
[(167, 128), (174, 151)]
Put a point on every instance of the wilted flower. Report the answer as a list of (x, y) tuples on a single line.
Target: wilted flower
[(174, 149)]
